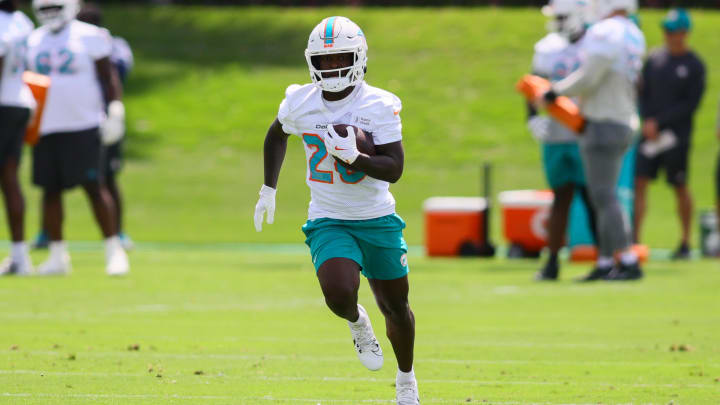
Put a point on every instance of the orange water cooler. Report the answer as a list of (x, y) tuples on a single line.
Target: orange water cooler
[(451, 222), (525, 216)]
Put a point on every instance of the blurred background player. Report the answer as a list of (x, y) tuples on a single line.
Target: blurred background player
[(16, 103), (672, 85), (556, 56), (606, 86), (75, 54), (352, 225), (122, 59)]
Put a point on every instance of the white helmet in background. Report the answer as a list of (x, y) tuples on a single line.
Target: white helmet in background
[(55, 13), (569, 17), (603, 8), (337, 35)]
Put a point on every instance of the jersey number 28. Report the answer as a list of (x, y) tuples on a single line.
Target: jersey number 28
[(347, 176)]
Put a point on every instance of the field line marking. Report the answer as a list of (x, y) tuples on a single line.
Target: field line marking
[(350, 379), (343, 359), (271, 398)]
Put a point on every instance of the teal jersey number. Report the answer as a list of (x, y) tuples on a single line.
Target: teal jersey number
[(347, 176), (43, 62)]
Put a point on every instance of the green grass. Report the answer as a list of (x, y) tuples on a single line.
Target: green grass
[(254, 323), (209, 294), (209, 80)]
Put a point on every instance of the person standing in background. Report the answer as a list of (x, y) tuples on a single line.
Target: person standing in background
[(672, 85), (75, 124), (556, 56), (112, 159), (16, 102)]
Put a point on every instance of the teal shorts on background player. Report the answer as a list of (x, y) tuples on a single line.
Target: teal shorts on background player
[(377, 245), (563, 164)]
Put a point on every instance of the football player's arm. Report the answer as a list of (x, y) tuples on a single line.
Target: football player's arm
[(274, 153), (109, 79), (585, 79), (386, 165)]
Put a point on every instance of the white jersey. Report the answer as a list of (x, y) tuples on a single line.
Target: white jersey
[(615, 98), (14, 31), (336, 192), (75, 98), (555, 58)]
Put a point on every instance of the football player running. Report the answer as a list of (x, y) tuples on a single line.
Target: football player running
[(352, 225), (75, 54), (606, 84), (16, 102), (556, 56)]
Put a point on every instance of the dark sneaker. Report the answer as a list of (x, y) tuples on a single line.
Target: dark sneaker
[(549, 272), (626, 273), (598, 273), (682, 252), (42, 241)]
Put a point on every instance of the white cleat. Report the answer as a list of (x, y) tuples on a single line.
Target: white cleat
[(117, 262), (366, 345), (407, 393), (22, 268), (55, 266)]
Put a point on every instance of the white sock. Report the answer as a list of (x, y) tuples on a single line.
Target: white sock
[(112, 243), (403, 377), (628, 258), (604, 262), (361, 320), (57, 249), (18, 252)]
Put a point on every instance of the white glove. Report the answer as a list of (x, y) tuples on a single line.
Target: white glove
[(539, 127), (113, 129), (265, 203), (344, 149)]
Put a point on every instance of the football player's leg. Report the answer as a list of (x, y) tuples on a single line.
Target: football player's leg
[(340, 280), (558, 174), (392, 299), (13, 121)]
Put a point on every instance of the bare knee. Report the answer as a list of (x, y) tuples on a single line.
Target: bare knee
[(397, 312)]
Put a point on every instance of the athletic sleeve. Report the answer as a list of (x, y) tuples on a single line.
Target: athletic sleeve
[(285, 112), (99, 44), (388, 126)]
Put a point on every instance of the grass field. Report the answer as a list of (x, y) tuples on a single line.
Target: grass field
[(215, 313), (252, 323)]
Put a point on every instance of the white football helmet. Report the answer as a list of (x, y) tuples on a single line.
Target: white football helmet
[(55, 13), (568, 17), (603, 8), (337, 35)]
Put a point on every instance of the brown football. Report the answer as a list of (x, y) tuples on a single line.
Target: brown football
[(364, 140)]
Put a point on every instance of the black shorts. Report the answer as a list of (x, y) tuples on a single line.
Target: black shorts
[(112, 159), (64, 160), (674, 161), (13, 122)]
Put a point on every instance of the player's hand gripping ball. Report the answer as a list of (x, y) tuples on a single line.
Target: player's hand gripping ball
[(347, 142)]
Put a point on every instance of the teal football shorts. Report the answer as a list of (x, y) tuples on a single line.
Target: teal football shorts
[(376, 245), (563, 164)]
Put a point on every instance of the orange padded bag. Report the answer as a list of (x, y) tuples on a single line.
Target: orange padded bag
[(563, 109)]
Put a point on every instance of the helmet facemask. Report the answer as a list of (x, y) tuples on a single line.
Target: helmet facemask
[(338, 79), (569, 18), (55, 13)]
